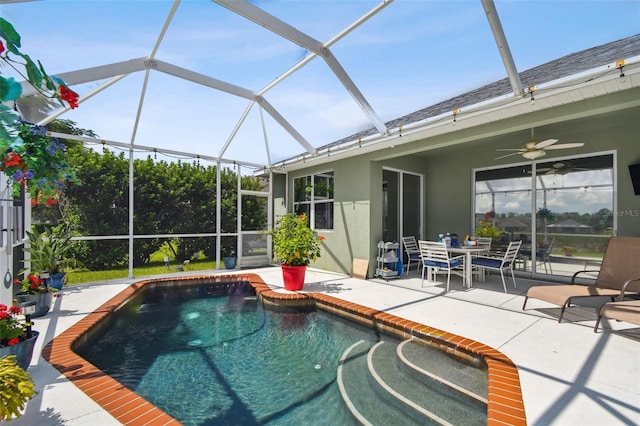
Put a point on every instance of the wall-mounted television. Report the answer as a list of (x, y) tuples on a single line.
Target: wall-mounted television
[(634, 171)]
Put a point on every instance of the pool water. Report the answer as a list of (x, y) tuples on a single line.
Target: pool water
[(202, 363), (207, 355)]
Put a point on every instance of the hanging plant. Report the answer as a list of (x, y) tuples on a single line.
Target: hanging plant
[(28, 156)]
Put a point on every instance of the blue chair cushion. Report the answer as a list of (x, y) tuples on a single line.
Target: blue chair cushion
[(489, 263), (414, 256), (434, 264)]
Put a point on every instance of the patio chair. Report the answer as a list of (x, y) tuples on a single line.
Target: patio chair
[(412, 251), (619, 276), (435, 258), (627, 310), (501, 264)]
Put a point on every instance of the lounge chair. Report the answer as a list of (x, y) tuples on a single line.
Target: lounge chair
[(627, 310), (619, 276)]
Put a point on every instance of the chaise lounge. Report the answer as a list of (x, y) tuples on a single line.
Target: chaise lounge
[(627, 310), (618, 277)]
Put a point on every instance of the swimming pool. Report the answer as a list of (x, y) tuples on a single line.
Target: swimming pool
[(242, 364), (133, 409)]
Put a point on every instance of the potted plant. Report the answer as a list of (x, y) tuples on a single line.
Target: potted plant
[(296, 246), (569, 250), (16, 388), (16, 336), (229, 259), (47, 250), (35, 289)]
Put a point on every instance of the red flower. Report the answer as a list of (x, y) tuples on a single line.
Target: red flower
[(1, 47), (12, 159), (51, 201), (13, 341), (322, 237), (15, 310), (69, 95), (4, 315)]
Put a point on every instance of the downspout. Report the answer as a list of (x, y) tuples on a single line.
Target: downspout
[(503, 47)]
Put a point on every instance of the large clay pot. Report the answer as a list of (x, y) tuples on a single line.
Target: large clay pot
[(293, 277), (43, 302), (23, 351)]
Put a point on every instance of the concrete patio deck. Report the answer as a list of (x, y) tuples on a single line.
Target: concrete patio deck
[(569, 375)]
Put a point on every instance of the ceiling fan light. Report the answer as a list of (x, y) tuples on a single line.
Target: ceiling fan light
[(532, 155)]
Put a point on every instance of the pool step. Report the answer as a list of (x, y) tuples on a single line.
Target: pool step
[(383, 385)]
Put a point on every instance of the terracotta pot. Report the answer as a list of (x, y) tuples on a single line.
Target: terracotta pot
[(293, 277)]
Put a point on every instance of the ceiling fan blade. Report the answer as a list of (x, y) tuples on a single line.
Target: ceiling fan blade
[(545, 143), (566, 145), (511, 149), (508, 155)]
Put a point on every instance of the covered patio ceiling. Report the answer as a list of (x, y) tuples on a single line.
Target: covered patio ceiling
[(257, 83)]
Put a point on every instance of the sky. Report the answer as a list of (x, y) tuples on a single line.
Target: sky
[(409, 56)]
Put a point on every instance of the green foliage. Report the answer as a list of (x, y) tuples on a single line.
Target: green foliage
[(486, 228), (16, 388), (47, 249), (11, 328), (170, 198), (295, 244)]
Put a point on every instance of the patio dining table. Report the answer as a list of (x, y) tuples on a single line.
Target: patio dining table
[(467, 251)]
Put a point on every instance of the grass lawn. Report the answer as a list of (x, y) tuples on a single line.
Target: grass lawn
[(155, 267)]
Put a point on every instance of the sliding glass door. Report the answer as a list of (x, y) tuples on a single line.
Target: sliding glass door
[(565, 227), (402, 209)]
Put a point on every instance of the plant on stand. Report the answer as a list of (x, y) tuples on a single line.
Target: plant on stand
[(48, 249), (16, 336), (296, 246), (35, 289)]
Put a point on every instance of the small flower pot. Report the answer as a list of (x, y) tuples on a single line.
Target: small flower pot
[(230, 262), (56, 280)]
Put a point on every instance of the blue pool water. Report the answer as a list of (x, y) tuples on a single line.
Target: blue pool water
[(210, 355), (201, 362)]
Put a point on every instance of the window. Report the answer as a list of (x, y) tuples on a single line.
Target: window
[(560, 209), (313, 195)]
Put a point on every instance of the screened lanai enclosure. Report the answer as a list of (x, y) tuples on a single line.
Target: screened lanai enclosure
[(214, 118)]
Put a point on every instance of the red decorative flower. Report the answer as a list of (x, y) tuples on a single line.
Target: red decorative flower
[(69, 95), (12, 159), (13, 341)]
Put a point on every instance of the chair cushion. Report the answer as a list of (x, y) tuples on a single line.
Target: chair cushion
[(434, 264), (414, 256), (486, 262)]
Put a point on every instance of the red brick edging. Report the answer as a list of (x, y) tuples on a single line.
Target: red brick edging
[(505, 405)]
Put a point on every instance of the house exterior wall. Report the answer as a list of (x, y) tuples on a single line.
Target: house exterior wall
[(447, 162)]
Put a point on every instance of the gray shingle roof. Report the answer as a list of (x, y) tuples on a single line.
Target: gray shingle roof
[(565, 66)]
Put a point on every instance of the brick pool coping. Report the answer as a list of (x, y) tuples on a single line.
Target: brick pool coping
[(504, 407)]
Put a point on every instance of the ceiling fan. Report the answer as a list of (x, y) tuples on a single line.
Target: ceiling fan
[(532, 149), (561, 168)]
